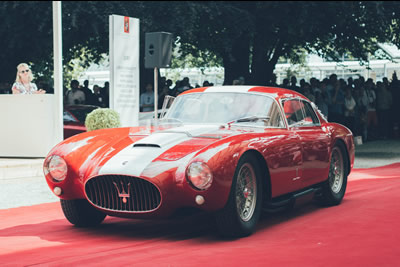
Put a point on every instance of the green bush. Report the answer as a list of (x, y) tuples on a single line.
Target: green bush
[(102, 118)]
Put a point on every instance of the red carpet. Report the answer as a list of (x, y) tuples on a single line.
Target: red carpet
[(363, 231)]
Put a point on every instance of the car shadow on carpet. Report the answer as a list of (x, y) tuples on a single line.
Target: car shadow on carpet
[(199, 226)]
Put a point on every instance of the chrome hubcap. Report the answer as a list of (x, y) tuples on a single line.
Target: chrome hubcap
[(246, 192), (336, 171)]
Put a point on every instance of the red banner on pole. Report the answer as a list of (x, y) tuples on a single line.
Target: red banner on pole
[(126, 24)]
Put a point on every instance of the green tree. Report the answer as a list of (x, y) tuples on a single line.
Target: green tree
[(247, 37), (251, 36)]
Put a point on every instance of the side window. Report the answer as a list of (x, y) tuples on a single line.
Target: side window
[(275, 117), (310, 116), (293, 111)]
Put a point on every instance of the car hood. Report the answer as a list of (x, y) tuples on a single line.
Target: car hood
[(131, 150), (162, 146)]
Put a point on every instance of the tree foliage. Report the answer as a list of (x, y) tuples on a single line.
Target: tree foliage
[(257, 33), (246, 37)]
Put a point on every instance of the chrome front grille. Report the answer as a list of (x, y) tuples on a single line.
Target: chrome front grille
[(122, 193)]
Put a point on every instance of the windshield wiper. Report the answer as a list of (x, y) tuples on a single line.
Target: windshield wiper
[(251, 119)]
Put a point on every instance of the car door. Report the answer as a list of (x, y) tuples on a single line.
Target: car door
[(286, 165), (281, 149), (315, 145)]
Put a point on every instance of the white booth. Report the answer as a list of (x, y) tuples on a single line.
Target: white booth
[(29, 125)]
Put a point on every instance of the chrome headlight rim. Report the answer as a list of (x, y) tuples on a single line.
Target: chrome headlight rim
[(199, 175), (56, 167)]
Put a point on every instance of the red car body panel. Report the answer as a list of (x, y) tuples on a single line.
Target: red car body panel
[(74, 119), (73, 128), (295, 158)]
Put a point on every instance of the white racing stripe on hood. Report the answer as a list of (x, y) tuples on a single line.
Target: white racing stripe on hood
[(132, 160)]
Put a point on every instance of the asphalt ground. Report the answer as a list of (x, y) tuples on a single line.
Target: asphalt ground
[(377, 153), (22, 182)]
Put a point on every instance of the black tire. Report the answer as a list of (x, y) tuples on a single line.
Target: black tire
[(334, 188), (235, 220), (80, 213)]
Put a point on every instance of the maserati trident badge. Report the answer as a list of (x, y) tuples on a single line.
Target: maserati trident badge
[(123, 194)]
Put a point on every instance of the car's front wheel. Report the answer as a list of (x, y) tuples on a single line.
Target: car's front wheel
[(241, 213), (334, 188), (80, 213)]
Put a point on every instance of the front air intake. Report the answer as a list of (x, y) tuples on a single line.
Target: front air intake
[(122, 193)]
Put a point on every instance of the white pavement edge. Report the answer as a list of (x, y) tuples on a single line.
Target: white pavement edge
[(20, 167)]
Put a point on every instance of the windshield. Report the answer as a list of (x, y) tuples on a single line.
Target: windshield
[(225, 108)]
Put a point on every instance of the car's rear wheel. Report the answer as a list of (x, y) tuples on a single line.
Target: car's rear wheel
[(334, 188), (80, 213), (242, 211)]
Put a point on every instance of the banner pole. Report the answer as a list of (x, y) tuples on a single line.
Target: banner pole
[(156, 94)]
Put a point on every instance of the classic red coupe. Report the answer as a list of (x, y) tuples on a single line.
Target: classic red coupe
[(229, 150)]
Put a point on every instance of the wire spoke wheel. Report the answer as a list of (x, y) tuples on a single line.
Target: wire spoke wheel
[(246, 192), (336, 171), (242, 211), (334, 188)]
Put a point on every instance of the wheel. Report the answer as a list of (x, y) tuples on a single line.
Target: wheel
[(80, 213), (334, 188), (241, 213)]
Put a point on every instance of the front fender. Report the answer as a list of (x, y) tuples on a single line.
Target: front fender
[(85, 154), (343, 134), (222, 157)]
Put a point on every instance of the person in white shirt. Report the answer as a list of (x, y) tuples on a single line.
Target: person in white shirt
[(147, 99), (74, 96)]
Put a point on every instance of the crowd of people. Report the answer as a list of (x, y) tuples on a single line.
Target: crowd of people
[(370, 110), (165, 88), (81, 94)]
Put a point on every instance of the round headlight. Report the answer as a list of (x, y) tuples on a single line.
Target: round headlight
[(199, 175), (57, 168)]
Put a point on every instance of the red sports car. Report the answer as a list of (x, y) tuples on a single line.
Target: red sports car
[(229, 150), (74, 119)]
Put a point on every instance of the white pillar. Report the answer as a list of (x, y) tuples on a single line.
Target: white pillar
[(58, 71)]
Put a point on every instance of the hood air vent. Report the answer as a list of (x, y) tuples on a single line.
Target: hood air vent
[(146, 145)]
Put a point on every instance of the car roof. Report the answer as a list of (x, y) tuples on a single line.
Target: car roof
[(273, 91)]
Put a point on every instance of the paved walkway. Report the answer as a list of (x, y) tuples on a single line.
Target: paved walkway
[(20, 167), (377, 153)]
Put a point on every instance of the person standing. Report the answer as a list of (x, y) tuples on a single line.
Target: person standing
[(336, 109), (372, 118), (349, 109), (147, 99), (75, 96), (98, 97), (384, 102), (23, 81), (322, 99), (89, 96), (105, 92), (293, 85), (361, 99)]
